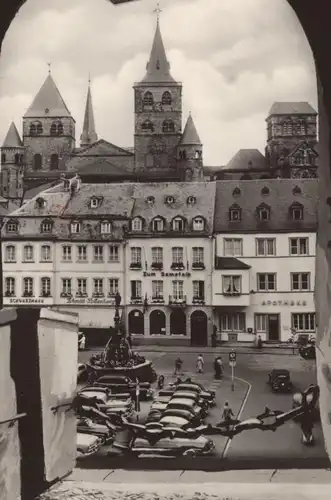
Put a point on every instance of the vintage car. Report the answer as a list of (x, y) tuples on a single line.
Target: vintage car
[(174, 447), (144, 371), (191, 419), (208, 396), (120, 383), (308, 351), (82, 373), (87, 445), (280, 381), (154, 416), (297, 401), (104, 432), (107, 404), (185, 404), (173, 421)]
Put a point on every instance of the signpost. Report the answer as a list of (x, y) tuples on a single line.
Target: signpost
[(232, 363)]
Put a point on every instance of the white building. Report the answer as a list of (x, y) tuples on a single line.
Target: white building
[(263, 282)]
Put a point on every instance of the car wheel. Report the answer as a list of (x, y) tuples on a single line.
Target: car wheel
[(190, 453)]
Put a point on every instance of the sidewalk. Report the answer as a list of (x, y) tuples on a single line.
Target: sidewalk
[(239, 347)]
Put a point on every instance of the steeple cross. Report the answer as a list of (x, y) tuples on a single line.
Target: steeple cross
[(157, 11)]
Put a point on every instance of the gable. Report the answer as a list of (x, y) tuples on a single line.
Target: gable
[(99, 166), (103, 148), (301, 149)]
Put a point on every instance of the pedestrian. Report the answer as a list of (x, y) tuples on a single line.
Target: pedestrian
[(200, 363), (259, 342), (227, 413), (129, 339), (218, 367), (214, 337), (178, 366)]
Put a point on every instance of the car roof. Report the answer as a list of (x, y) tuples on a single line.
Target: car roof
[(184, 401), (280, 371), (172, 420)]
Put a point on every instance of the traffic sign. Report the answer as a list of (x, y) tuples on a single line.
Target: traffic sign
[(232, 363), (232, 356)]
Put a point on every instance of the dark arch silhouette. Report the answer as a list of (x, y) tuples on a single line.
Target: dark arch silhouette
[(54, 162), (178, 322), (157, 322), (136, 322), (37, 162), (199, 328)]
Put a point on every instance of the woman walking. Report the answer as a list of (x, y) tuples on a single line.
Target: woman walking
[(200, 364)]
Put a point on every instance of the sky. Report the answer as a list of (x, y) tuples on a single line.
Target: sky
[(233, 57)]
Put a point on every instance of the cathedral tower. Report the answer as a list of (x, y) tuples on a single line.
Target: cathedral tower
[(190, 153), (48, 130), (12, 164), (89, 134), (158, 113)]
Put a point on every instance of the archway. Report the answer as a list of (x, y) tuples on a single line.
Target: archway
[(178, 322), (199, 329), (157, 323), (136, 322)]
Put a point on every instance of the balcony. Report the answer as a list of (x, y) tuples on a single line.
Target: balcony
[(198, 266), (198, 301), (136, 300), (157, 300), (177, 266), (136, 266), (175, 301), (157, 266)]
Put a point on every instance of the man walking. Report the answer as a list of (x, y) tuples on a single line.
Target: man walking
[(227, 414), (178, 366)]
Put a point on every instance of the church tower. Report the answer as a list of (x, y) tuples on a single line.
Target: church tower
[(48, 130), (89, 135), (158, 113), (189, 151), (12, 164)]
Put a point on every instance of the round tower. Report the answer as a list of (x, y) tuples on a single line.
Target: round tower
[(12, 164), (189, 153)]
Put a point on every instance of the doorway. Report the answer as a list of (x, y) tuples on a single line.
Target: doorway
[(199, 329), (157, 323), (273, 327), (178, 322)]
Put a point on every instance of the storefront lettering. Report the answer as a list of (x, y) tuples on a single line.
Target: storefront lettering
[(26, 301), (167, 275), (90, 301), (284, 303)]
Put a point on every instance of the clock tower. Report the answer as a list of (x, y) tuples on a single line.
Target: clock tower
[(158, 113)]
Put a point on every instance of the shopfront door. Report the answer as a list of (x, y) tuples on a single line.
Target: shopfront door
[(273, 327)]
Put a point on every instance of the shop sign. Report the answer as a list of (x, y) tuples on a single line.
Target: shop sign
[(92, 301), (167, 275), (26, 301), (284, 303)]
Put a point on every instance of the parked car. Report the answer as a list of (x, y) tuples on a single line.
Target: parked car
[(209, 396), (192, 419), (173, 421), (120, 383), (87, 426), (82, 373), (297, 401), (280, 381), (308, 351), (87, 445), (185, 404), (107, 404), (176, 447)]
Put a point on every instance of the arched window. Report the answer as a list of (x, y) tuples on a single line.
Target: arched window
[(158, 224), (21, 158), (198, 224), (39, 128), (178, 224), (148, 99), (287, 128), (37, 162), (182, 154), (17, 158), (60, 128), (147, 126), (137, 224), (33, 130), (53, 129), (263, 212), (166, 98), (168, 126), (54, 162), (3, 158)]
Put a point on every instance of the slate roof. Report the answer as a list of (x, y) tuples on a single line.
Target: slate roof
[(31, 193), (292, 108), (12, 139), (99, 166), (279, 199), (230, 263), (48, 97), (247, 159), (190, 135), (6, 207)]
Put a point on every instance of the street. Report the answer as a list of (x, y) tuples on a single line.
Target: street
[(250, 397)]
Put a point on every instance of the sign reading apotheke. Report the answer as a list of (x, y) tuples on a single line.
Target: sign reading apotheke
[(96, 301), (166, 275), (284, 303)]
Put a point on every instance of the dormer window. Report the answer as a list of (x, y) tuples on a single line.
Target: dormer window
[(137, 224), (265, 191), (12, 226), (40, 202), (166, 98), (236, 192), (263, 212), (296, 211), (105, 227), (198, 224), (95, 202), (150, 200), (191, 200), (235, 213), (158, 224), (75, 227), (296, 190), (170, 200), (148, 99), (46, 226), (178, 224)]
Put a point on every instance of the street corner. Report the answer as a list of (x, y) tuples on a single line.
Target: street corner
[(234, 392)]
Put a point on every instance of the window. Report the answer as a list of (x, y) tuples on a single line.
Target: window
[(147, 126), (27, 287), (231, 285), (233, 247), (66, 286), (17, 158), (263, 213), (168, 126), (136, 292), (233, 322), (157, 255), (157, 289), (46, 226), (296, 212), (54, 162), (266, 282), (198, 255), (170, 200), (303, 322), (265, 247), (199, 290), (235, 214), (301, 128), (300, 281), (10, 287), (81, 287), (60, 128), (97, 286), (3, 158), (177, 255), (98, 253), (45, 253), (82, 253), (178, 224), (12, 227), (178, 290), (28, 253), (287, 128), (198, 224), (53, 130), (45, 287), (137, 224), (10, 253), (261, 322), (94, 203), (114, 253), (105, 227), (157, 224), (66, 253), (113, 286), (75, 227), (148, 99), (298, 246), (136, 255), (37, 162), (166, 98)]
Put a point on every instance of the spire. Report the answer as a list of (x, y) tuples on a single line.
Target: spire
[(12, 139), (158, 67), (89, 134), (190, 135), (48, 102)]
